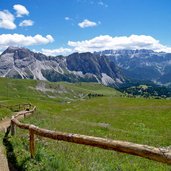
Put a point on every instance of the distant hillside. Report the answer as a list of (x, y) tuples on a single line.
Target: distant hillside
[(85, 67), (142, 64), (110, 67), (15, 91), (37, 89)]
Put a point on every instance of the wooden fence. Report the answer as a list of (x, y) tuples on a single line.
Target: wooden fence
[(157, 154), (18, 107)]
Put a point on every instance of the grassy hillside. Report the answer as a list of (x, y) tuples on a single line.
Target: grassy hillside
[(65, 107), (13, 91)]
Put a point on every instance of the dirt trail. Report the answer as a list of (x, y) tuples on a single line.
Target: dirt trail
[(3, 160), (4, 124)]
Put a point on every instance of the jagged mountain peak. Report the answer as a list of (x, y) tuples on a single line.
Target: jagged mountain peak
[(12, 49), (143, 65), (94, 64), (124, 52), (109, 67), (18, 62)]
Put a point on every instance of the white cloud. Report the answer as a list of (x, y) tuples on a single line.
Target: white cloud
[(22, 40), (87, 23), (94, 2), (26, 23), (7, 20), (20, 10), (67, 18), (105, 42), (102, 4), (164, 49), (55, 52)]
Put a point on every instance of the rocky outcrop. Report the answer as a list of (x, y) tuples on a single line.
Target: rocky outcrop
[(84, 67)]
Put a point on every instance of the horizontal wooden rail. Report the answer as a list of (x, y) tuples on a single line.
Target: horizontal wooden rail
[(23, 113), (19, 107), (149, 152), (19, 124), (19, 115)]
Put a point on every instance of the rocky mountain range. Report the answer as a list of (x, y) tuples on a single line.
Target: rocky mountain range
[(142, 64), (87, 67), (109, 67)]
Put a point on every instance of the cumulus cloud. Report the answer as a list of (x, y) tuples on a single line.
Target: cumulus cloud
[(26, 23), (22, 40), (87, 23), (104, 42), (7, 20), (20, 10), (55, 52)]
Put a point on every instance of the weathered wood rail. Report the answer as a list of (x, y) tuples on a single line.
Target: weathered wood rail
[(157, 154), (17, 107)]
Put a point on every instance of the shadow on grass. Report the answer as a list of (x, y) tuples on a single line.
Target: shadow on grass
[(11, 157)]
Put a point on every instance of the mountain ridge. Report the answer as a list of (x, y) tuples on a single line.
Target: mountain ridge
[(142, 64), (86, 67), (109, 67)]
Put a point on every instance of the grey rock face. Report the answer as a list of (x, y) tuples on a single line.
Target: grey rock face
[(97, 65), (142, 64), (25, 64)]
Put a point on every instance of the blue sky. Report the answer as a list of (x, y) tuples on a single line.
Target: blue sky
[(63, 26)]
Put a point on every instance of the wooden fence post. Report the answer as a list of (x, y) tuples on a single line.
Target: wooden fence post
[(32, 141), (13, 128)]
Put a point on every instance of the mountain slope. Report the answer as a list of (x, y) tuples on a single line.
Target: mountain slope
[(110, 67), (98, 66), (85, 67), (23, 63), (142, 64)]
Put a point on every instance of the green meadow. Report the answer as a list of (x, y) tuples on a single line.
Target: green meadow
[(67, 107)]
